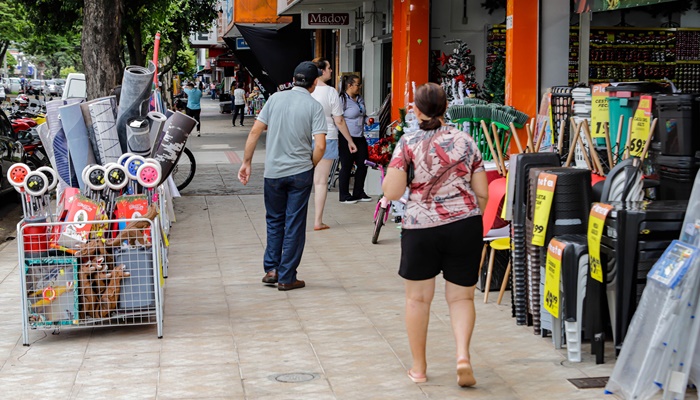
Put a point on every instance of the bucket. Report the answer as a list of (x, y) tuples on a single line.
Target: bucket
[(36, 240)]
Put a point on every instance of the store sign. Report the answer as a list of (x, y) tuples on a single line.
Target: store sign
[(327, 20), (607, 5), (600, 112), (208, 38), (241, 44)]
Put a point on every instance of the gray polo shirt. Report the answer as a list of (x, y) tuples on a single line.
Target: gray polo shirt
[(292, 117)]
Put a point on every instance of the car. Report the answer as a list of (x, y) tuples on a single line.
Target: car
[(11, 152), (35, 86), (61, 82), (75, 87), (12, 85), (52, 88), (3, 96)]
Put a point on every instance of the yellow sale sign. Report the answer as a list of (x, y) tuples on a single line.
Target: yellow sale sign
[(641, 123), (546, 184), (552, 278), (599, 110), (596, 222)]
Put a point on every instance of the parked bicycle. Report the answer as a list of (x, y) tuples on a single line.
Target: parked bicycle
[(381, 211), (184, 170)]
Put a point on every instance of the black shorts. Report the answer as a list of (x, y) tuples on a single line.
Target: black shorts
[(455, 249)]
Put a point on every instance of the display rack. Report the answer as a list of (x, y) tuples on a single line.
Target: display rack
[(113, 280), (495, 44)]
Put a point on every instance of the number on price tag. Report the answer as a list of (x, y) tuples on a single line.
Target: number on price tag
[(596, 223), (552, 279), (641, 124), (546, 183), (600, 114)]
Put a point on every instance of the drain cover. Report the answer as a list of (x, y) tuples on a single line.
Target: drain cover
[(295, 377), (590, 383)]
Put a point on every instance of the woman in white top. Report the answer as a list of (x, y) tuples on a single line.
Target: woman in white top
[(333, 109)]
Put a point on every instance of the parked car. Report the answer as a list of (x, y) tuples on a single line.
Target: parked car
[(12, 85), (61, 82), (52, 88), (35, 86), (3, 96), (75, 87), (11, 151)]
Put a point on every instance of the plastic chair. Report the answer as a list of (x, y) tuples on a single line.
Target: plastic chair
[(497, 239)]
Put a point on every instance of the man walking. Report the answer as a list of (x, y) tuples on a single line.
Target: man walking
[(238, 103), (294, 121), (194, 106)]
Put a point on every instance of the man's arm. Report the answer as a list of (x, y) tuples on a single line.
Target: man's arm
[(319, 148), (250, 143)]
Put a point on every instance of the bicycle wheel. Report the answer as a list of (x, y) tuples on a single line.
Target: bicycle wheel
[(378, 224), (183, 173)]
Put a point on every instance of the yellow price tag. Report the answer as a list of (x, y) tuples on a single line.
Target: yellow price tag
[(545, 194), (552, 278), (641, 123), (599, 110), (505, 198), (596, 222)]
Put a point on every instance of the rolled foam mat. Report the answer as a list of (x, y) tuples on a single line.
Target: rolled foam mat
[(135, 95), (157, 121), (175, 133), (100, 121), (81, 154), (137, 133), (57, 142)]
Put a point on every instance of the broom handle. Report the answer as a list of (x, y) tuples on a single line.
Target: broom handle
[(594, 154), (514, 133), (497, 141), (583, 150), (540, 137), (618, 155), (485, 129), (629, 138), (606, 128), (648, 143), (530, 146), (560, 139), (573, 145)]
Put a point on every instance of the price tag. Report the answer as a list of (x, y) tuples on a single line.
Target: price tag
[(596, 222), (552, 279), (641, 123), (546, 183), (505, 198), (600, 114)]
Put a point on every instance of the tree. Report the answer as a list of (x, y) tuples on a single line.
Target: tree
[(101, 45), (65, 71), (56, 51), (458, 77), (495, 83), (13, 25)]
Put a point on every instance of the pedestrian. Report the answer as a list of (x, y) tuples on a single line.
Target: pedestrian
[(212, 89), (333, 110), (23, 84), (294, 121), (194, 107), (239, 103), (354, 112), (442, 226)]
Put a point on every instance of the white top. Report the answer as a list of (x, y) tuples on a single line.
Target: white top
[(239, 97), (329, 99)]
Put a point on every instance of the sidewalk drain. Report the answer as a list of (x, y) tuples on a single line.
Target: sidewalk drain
[(294, 378)]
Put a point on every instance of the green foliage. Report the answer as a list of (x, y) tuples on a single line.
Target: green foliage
[(495, 82), (186, 61), (11, 61), (65, 71)]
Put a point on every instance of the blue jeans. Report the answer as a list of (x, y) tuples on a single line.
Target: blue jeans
[(286, 204)]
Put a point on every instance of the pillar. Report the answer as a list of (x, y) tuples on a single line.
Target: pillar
[(554, 40), (372, 58), (410, 49), (522, 53)]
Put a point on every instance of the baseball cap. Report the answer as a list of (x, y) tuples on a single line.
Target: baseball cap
[(306, 72)]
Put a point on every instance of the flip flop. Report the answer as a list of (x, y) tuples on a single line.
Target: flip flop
[(322, 227), (465, 374), (417, 379)]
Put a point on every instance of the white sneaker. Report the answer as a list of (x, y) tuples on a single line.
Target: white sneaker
[(349, 200)]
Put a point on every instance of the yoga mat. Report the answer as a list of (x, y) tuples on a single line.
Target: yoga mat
[(56, 142), (137, 133), (175, 133), (81, 154), (100, 120), (157, 121), (136, 93)]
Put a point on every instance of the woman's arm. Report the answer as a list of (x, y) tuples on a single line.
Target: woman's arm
[(395, 183), (343, 129), (480, 186)]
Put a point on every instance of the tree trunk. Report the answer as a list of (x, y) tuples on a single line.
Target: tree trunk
[(4, 45), (101, 41), (134, 42)]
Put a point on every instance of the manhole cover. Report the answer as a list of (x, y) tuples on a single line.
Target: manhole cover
[(294, 378), (590, 383)]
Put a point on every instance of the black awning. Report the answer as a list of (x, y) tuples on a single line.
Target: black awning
[(204, 71), (253, 66), (277, 52)]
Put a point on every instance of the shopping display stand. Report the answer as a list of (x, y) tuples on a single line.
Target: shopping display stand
[(117, 283)]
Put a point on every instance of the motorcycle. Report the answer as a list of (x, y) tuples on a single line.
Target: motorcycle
[(180, 102)]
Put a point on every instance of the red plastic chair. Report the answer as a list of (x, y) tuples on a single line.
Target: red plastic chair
[(498, 238)]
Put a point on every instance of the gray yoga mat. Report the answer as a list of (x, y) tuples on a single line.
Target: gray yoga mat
[(81, 154), (137, 133), (100, 121), (134, 100), (175, 133), (157, 121), (55, 142)]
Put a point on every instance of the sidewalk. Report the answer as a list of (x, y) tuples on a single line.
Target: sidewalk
[(227, 336)]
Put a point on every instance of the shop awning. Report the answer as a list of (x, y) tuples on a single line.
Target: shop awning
[(253, 66), (606, 5), (206, 71), (277, 52)]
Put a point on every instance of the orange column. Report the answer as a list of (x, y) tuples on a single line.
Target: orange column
[(410, 49), (522, 23)]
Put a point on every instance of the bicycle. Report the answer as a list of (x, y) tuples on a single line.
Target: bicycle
[(184, 170), (381, 211)]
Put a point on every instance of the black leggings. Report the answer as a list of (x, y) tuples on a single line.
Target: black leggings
[(238, 109), (194, 114), (346, 161)]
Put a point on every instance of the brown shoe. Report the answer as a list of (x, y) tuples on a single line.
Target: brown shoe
[(291, 286), (270, 277)]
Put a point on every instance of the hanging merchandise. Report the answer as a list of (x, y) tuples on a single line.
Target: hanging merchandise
[(459, 69)]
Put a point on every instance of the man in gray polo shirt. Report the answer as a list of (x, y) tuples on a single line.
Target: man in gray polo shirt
[(294, 120)]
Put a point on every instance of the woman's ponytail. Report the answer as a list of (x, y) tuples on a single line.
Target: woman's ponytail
[(430, 124)]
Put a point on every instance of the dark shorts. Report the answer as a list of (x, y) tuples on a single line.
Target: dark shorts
[(455, 249)]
